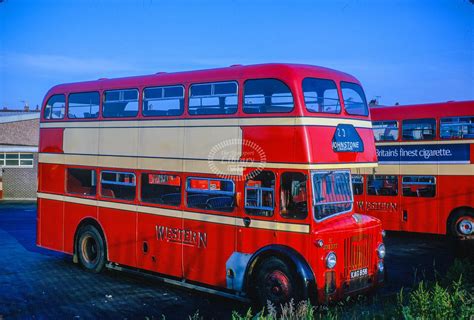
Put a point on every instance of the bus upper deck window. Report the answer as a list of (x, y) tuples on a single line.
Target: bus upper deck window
[(419, 129), (385, 130), (55, 107), (320, 95), (457, 128), (120, 103), (163, 101), (83, 105), (354, 99), (267, 96), (213, 98)]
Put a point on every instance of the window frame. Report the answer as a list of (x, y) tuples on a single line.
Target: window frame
[(385, 121), (456, 124), (308, 200), (435, 130), (383, 175), (364, 98), (211, 83), (313, 204), (277, 79), (338, 96), (142, 96), (208, 191), (118, 183), (46, 104), (18, 159), (434, 183), (103, 103), (94, 196), (99, 111), (363, 184), (147, 203)]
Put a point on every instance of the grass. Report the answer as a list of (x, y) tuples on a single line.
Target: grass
[(450, 296)]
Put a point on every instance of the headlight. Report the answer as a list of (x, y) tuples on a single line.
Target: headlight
[(381, 251), (331, 260)]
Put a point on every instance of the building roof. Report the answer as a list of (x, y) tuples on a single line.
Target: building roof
[(14, 116)]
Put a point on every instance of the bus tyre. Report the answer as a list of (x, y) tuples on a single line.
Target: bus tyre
[(462, 224), (91, 249), (275, 282)]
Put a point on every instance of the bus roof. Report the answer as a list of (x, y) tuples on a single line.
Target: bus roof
[(277, 70), (419, 111)]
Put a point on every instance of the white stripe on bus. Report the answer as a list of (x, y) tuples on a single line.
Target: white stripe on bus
[(212, 218), (218, 122)]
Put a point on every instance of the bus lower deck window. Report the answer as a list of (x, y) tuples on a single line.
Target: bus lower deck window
[(118, 185), (161, 189), (293, 195), (81, 181), (260, 193), (379, 185), (419, 186), (210, 194)]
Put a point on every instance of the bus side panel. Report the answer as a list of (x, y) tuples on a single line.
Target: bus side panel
[(163, 255), (51, 224), (275, 142), (204, 258), (51, 178), (453, 192), (250, 240), (120, 233), (74, 213)]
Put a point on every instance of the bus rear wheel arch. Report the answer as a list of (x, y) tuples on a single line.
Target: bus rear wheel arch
[(90, 248), (461, 223)]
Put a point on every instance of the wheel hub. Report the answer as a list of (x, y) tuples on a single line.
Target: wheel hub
[(465, 227), (278, 285)]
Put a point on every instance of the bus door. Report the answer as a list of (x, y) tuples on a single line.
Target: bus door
[(382, 200), (208, 233), (159, 227), (419, 209), (257, 212)]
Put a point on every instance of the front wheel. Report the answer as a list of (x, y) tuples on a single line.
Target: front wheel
[(91, 249), (275, 282)]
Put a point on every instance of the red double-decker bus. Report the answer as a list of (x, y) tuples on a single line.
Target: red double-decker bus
[(425, 179), (232, 180)]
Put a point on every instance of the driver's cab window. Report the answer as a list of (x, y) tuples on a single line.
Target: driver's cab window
[(260, 193), (293, 195)]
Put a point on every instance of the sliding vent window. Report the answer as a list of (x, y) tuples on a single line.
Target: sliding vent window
[(118, 185), (83, 105), (55, 107), (321, 96), (419, 129), (267, 96), (419, 186), (354, 99), (81, 181), (260, 193), (210, 194), (457, 128), (120, 103), (385, 130), (161, 189), (163, 101), (213, 98)]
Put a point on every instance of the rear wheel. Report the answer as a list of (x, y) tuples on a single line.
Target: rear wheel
[(275, 282), (91, 249), (462, 224)]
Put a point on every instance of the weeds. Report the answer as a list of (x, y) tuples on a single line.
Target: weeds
[(449, 297)]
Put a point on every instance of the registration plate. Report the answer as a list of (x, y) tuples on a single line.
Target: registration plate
[(359, 273)]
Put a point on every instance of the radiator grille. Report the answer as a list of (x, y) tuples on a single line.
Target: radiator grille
[(358, 252)]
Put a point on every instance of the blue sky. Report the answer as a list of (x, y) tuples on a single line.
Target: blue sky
[(403, 51)]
